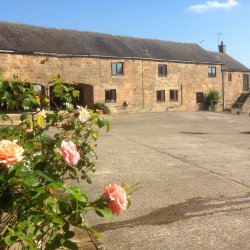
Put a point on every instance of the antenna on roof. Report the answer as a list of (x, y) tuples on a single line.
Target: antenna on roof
[(218, 35)]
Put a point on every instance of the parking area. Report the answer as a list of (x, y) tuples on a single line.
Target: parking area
[(195, 180)]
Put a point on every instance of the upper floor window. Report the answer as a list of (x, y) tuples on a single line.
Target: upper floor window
[(246, 79), (162, 70), (110, 95), (117, 68), (211, 71), (160, 95), (173, 95), (229, 77), (199, 97)]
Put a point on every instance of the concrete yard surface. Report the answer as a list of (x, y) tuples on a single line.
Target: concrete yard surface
[(194, 172)]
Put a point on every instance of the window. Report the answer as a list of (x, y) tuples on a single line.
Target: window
[(117, 68), (245, 82), (211, 71), (110, 95), (229, 77), (173, 95), (160, 95), (162, 70), (199, 97)]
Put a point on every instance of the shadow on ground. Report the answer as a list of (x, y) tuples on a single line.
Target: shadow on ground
[(195, 207)]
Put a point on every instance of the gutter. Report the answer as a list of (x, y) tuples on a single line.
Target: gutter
[(103, 56)]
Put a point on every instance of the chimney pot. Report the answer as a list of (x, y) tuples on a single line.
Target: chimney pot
[(222, 48)]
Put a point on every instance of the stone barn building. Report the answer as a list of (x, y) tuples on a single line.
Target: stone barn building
[(125, 73)]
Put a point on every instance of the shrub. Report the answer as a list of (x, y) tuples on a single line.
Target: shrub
[(213, 99), (38, 202), (101, 106)]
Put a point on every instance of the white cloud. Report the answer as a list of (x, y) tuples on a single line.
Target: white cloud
[(213, 5)]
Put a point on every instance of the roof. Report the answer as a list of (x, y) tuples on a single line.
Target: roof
[(229, 63), (29, 39)]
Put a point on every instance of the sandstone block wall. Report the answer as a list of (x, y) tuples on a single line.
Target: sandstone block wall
[(138, 84)]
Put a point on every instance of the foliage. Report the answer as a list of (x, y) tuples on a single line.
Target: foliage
[(42, 195), (101, 106), (213, 98)]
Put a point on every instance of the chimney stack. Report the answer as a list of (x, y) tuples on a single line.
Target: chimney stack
[(222, 48)]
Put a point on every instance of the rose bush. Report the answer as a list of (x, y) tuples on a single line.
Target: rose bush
[(40, 158)]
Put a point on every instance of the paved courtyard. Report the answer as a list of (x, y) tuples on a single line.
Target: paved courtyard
[(195, 180)]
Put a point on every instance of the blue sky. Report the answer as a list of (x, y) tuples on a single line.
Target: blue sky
[(196, 21)]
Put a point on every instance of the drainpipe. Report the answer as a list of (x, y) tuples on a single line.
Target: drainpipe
[(222, 87), (142, 84)]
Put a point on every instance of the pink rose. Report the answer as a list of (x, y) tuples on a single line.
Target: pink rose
[(10, 152), (116, 198), (69, 152)]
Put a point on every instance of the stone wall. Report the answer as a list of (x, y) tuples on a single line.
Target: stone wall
[(138, 84), (233, 88)]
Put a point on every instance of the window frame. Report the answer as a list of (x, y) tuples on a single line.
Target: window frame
[(115, 72), (229, 77), (199, 97), (213, 71), (113, 96), (245, 83), (160, 93), (160, 71), (175, 95)]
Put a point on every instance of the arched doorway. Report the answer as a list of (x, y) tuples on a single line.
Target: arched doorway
[(85, 98)]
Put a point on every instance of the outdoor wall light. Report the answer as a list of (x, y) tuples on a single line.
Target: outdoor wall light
[(125, 104)]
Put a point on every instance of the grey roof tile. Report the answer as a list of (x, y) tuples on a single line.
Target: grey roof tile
[(229, 63), (28, 39)]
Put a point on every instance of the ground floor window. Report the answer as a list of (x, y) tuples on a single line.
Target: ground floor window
[(173, 95), (199, 97), (110, 95), (160, 95)]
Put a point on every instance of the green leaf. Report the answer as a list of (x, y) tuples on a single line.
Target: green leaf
[(70, 245), (28, 241), (30, 180), (107, 126), (41, 174), (104, 212), (29, 145), (69, 106), (94, 135), (78, 193), (28, 103), (101, 122), (75, 219), (66, 227), (58, 220), (95, 233), (65, 208), (42, 197), (24, 117), (53, 244), (10, 239), (69, 234), (75, 93)]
